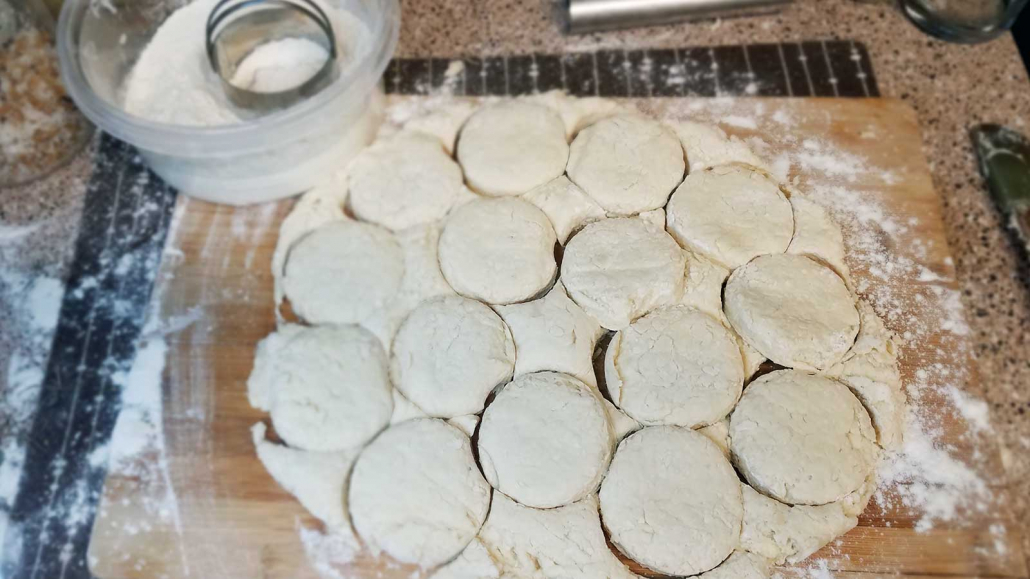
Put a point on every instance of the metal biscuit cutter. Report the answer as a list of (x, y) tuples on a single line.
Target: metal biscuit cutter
[(236, 28)]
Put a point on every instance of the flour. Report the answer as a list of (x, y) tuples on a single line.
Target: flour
[(328, 553), (173, 82)]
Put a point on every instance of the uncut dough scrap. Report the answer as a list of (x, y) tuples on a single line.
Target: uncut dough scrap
[(511, 148), (741, 565), (675, 366), (499, 251), (708, 146), (566, 205), (793, 310), (545, 441), (449, 354), (787, 534), (327, 387), (316, 479), (620, 269), (802, 439), (404, 181), (627, 163), (730, 214), (671, 501), (817, 235), (521, 542), (417, 494), (553, 333), (343, 272)]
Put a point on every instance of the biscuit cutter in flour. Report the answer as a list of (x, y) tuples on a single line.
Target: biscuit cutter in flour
[(236, 28)]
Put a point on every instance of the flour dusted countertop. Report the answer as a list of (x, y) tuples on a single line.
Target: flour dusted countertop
[(952, 87)]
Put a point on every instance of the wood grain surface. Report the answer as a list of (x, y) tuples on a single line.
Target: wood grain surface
[(213, 511)]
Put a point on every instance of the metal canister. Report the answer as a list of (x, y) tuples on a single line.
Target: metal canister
[(592, 15)]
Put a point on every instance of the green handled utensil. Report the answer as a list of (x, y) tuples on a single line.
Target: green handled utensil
[(1005, 163)]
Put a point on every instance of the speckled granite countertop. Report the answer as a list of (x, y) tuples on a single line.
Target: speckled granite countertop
[(952, 88)]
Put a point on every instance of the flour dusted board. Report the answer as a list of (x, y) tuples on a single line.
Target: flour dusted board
[(232, 520)]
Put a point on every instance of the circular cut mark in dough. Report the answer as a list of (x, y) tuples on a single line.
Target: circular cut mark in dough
[(675, 366), (343, 272), (511, 148), (793, 310), (627, 163), (802, 439), (330, 388), (417, 494), (449, 354), (545, 440), (672, 502), (404, 181), (499, 251), (619, 269), (730, 214)]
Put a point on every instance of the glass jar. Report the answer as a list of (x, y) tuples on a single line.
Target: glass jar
[(966, 21)]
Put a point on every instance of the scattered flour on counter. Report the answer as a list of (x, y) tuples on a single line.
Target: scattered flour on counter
[(329, 553)]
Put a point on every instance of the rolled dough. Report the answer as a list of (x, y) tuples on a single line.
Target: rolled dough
[(566, 205)]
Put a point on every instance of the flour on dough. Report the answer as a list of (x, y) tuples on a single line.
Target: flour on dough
[(404, 409), (566, 205), (521, 542), (417, 494), (675, 366), (317, 479), (449, 354), (466, 423), (793, 310), (620, 269), (802, 439), (545, 440), (655, 218), (627, 163), (708, 146), (622, 424), (327, 387), (730, 214), (579, 112), (264, 376), (443, 123), (512, 147), (343, 272), (817, 235), (786, 534), (422, 281), (553, 333), (404, 181), (719, 433), (671, 501), (498, 251), (741, 565)]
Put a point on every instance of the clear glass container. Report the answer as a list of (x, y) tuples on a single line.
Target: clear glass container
[(275, 156), (966, 21)]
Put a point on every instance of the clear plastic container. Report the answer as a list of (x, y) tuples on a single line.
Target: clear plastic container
[(272, 157)]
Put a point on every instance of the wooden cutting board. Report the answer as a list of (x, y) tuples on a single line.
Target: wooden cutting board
[(215, 512)]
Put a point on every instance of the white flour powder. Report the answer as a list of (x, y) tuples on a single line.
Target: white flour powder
[(280, 65)]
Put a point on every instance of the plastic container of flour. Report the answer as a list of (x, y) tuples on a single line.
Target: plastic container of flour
[(240, 162)]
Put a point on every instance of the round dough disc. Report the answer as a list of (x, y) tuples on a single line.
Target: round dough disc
[(675, 366), (511, 148), (499, 251), (619, 269), (672, 502), (793, 310), (330, 388), (404, 181), (731, 214), (802, 439), (343, 272), (545, 440), (627, 163), (449, 354), (417, 494)]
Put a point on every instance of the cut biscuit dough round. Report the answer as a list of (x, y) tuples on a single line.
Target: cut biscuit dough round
[(730, 214), (627, 163), (404, 181), (545, 440), (417, 494), (449, 354), (343, 272), (793, 310), (675, 366), (672, 502), (802, 439), (329, 387), (499, 251), (622, 268), (512, 147)]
